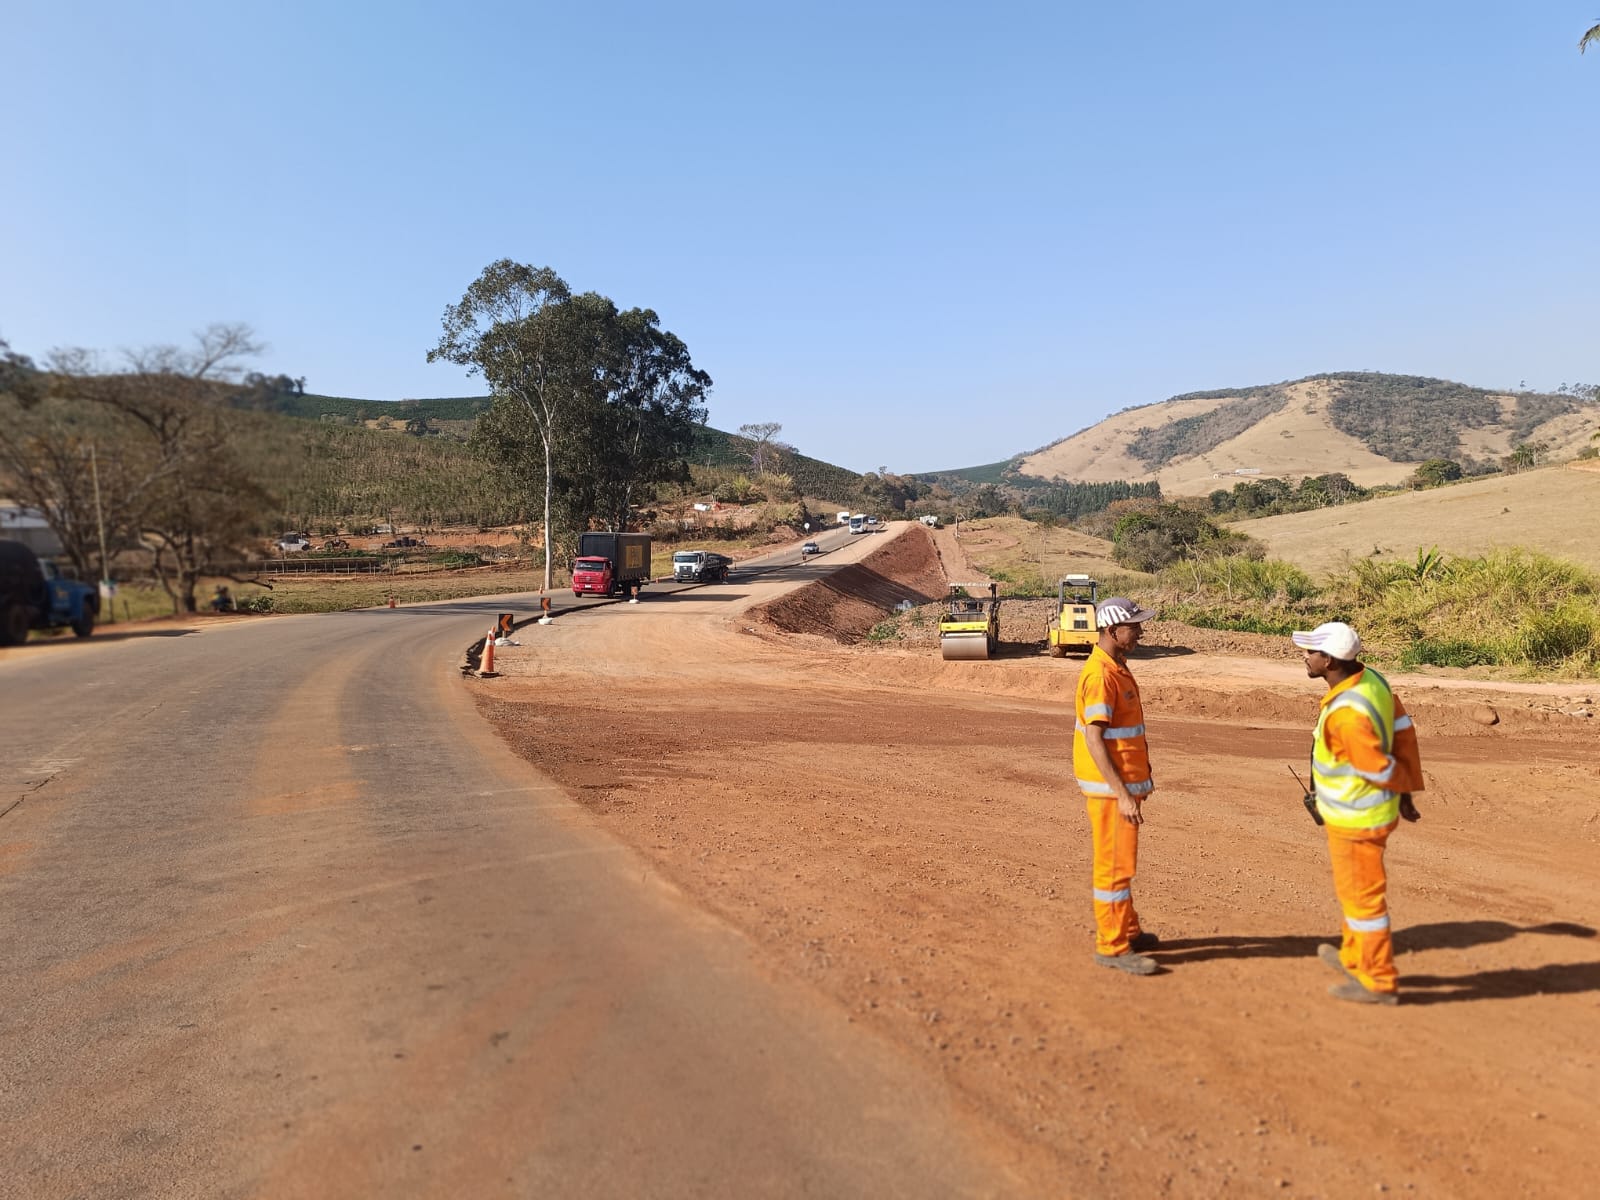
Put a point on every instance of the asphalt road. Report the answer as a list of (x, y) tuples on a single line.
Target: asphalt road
[(280, 917)]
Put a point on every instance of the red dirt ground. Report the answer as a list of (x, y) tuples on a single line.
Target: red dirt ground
[(901, 835)]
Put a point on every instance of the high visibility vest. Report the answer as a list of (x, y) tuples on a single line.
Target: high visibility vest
[(1346, 797)]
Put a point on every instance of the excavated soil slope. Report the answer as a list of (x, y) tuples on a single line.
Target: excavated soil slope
[(846, 604), (900, 837)]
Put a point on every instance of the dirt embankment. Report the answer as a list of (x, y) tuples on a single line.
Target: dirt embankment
[(846, 604)]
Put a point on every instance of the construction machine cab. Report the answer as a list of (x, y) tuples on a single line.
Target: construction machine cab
[(1073, 627)]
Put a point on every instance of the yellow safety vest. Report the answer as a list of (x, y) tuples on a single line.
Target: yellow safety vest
[(1346, 797)]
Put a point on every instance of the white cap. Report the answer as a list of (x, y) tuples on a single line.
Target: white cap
[(1118, 610), (1334, 638)]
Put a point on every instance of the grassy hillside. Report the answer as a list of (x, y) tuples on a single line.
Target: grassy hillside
[(812, 476), (311, 407), (1551, 510), (1372, 427)]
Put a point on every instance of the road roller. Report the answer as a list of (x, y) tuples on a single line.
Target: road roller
[(970, 625), (1073, 627)]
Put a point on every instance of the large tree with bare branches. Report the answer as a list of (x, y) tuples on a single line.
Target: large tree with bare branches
[(173, 486)]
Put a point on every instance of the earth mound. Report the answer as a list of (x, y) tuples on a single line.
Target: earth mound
[(848, 603)]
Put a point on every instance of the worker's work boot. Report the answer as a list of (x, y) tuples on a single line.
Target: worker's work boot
[(1133, 964), (1330, 955), (1144, 942), (1354, 991)]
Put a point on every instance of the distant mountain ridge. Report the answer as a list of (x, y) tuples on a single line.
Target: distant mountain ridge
[(1371, 426)]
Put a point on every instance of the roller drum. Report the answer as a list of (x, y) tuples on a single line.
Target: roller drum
[(964, 646)]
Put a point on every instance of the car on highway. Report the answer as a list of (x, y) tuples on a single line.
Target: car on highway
[(811, 548)]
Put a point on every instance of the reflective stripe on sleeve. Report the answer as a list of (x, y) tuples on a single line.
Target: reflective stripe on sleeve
[(1106, 897), (1382, 776), (1097, 710), (1112, 732), (1402, 723), (1368, 924), (1093, 787)]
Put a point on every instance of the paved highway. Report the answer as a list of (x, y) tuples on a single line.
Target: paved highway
[(281, 918)]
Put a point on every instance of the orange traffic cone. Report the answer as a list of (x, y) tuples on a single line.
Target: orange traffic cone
[(488, 671)]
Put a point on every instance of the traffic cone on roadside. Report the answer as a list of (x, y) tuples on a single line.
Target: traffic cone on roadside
[(635, 598), (487, 671), (544, 604)]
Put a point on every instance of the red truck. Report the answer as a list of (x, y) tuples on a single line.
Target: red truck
[(611, 564)]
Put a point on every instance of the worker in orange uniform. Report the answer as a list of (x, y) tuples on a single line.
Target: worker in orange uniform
[(1364, 768), (1112, 763)]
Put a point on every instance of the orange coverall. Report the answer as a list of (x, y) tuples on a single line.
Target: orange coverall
[(1107, 695), (1359, 877)]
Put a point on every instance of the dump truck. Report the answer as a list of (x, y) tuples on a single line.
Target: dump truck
[(1073, 627), (611, 564), (700, 566), (970, 625), (35, 595)]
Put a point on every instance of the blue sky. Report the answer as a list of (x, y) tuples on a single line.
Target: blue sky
[(918, 235)]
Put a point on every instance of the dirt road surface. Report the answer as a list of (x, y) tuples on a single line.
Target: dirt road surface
[(901, 840)]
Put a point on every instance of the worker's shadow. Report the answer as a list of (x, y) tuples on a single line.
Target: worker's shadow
[(1559, 978), (1503, 983), (1160, 651)]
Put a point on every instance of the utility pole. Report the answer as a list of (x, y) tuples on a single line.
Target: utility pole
[(100, 520)]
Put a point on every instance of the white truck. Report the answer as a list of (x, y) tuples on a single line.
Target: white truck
[(858, 523), (700, 566)]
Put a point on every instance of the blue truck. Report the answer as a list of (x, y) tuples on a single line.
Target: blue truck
[(35, 595)]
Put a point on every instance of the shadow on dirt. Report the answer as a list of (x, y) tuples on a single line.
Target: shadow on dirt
[(1161, 652), (102, 634), (1559, 979), (1456, 935), (1182, 950), (1506, 983)]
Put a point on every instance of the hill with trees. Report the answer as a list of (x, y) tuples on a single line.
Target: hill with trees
[(1373, 428)]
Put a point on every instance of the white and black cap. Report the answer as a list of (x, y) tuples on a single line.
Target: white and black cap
[(1119, 610)]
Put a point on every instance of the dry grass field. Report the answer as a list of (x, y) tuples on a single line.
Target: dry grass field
[(1555, 510)]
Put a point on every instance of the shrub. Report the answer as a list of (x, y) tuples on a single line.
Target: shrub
[(1447, 652), (261, 603), (1547, 638)]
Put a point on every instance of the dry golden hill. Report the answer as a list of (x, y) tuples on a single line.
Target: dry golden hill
[(1555, 509), (1301, 438)]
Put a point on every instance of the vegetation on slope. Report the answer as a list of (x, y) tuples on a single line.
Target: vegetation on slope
[(1188, 436), (1546, 611)]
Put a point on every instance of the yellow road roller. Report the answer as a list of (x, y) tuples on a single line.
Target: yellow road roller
[(970, 625), (1074, 626)]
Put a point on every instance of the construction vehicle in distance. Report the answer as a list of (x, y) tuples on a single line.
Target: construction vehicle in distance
[(1074, 625), (970, 626)]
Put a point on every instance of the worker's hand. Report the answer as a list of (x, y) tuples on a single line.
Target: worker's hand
[(1128, 806), (1408, 810)]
